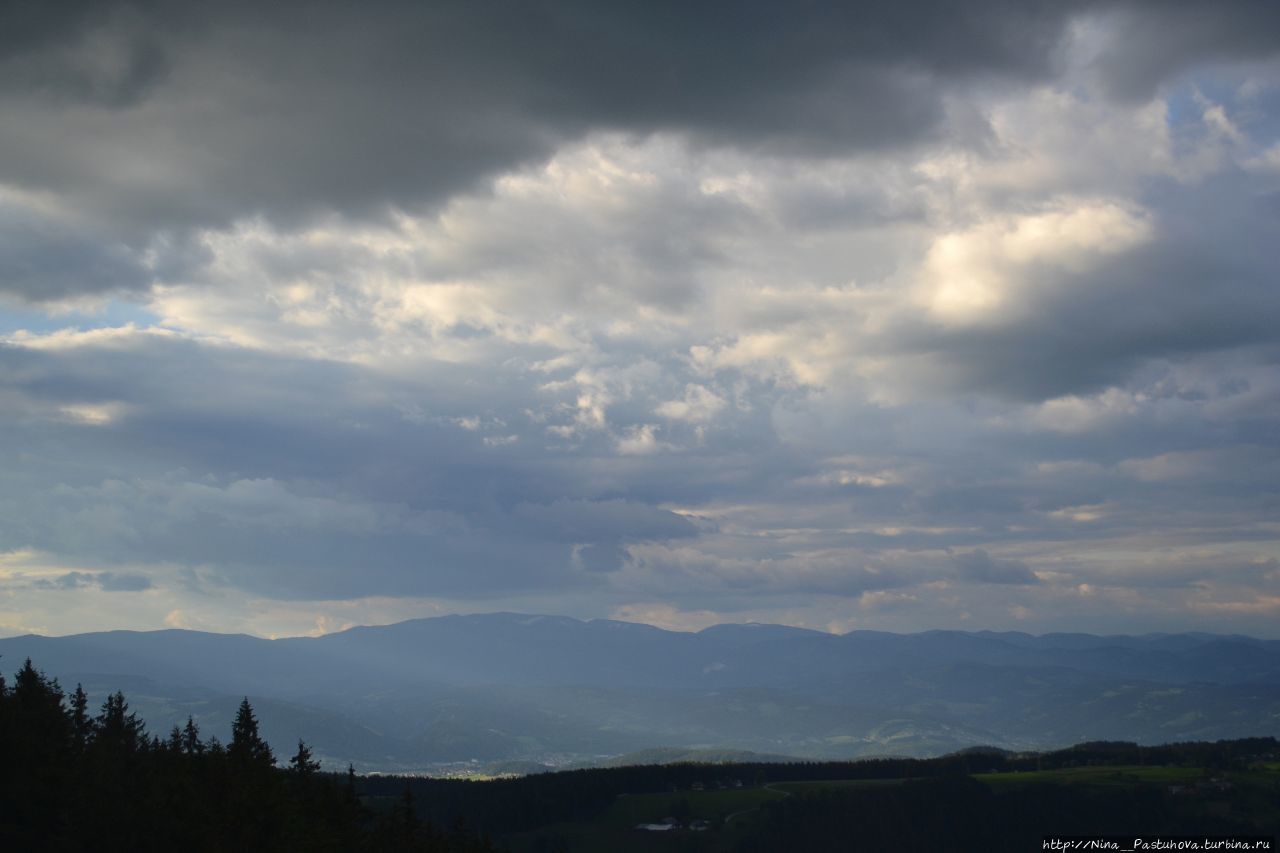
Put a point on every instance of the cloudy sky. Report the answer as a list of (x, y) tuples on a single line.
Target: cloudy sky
[(877, 315)]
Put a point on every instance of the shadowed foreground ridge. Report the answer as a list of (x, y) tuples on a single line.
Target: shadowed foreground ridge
[(72, 781)]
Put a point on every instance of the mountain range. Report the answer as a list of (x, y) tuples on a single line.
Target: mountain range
[(458, 693)]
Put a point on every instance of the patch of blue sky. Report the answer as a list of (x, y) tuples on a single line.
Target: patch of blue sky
[(1252, 103), (1185, 104), (110, 314)]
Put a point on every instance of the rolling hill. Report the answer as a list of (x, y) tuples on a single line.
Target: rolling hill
[(460, 692)]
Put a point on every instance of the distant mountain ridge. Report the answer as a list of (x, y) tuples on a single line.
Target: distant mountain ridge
[(507, 686)]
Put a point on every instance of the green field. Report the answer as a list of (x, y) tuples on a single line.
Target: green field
[(1096, 776), (824, 784)]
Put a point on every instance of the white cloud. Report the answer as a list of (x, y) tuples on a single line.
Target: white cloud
[(1079, 414), (640, 440), (699, 405), (988, 274)]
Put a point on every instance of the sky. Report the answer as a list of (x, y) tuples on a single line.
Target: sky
[(889, 316)]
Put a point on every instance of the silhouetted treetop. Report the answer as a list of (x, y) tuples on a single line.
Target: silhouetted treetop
[(247, 744)]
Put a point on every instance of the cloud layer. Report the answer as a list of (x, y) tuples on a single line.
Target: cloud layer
[(838, 316)]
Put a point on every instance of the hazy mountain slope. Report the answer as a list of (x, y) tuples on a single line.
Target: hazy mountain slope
[(510, 686)]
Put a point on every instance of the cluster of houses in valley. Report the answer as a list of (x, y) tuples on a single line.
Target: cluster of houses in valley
[(669, 824), (719, 785), (1213, 785)]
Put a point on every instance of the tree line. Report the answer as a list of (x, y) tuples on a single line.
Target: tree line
[(72, 779), (514, 805)]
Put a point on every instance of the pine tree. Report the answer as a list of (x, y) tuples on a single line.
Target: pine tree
[(118, 729), (247, 745), (302, 763), (81, 724), (38, 713), (37, 730), (34, 691), (191, 744)]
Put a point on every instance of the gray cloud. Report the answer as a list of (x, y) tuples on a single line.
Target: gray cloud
[(231, 111), (576, 521), (108, 54), (114, 582), (1149, 42), (346, 499), (43, 258), (106, 581), (850, 316), (1199, 286), (272, 484), (980, 566)]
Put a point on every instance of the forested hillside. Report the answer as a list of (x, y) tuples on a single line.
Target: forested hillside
[(72, 779)]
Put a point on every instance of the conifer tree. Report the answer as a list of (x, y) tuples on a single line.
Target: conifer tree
[(191, 744), (38, 712), (33, 691), (36, 729), (247, 745), (117, 728), (81, 723), (302, 763), (351, 783)]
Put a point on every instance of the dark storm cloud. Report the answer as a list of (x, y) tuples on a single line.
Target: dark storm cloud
[(160, 115), (106, 54), (1151, 41), (155, 117)]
